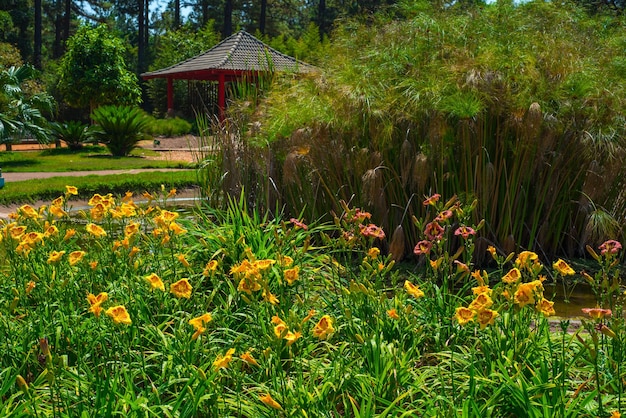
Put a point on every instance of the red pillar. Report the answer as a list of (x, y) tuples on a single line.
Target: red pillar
[(170, 96), (221, 96)]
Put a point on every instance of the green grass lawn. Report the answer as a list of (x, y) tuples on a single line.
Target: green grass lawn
[(89, 159)]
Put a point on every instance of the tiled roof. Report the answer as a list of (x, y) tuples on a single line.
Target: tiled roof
[(239, 52)]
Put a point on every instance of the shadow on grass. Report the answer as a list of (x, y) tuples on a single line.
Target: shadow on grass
[(88, 149), (28, 162)]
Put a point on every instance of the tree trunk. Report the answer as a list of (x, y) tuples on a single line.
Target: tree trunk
[(321, 20), (204, 6), (37, 41), (262, 17), (67, 20), (176, 14), (141, 46), (227, 29), (57, 49)]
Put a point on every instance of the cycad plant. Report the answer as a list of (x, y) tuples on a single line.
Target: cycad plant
[(74, 133), (120, 128)]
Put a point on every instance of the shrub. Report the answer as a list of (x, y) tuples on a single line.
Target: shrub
[(168, 127), (74, 133), (120, 128)]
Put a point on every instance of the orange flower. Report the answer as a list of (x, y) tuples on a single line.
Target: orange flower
[(413, 290), (119, 315), (435, 264), (181, 289), (512, 276), (292, 337), (546, 307), (30, 286), (177, 229), (269, 401), (323, 328), (482, 302), (492, 250), (524, 295), (263, 264), (464, 315), (310, 315), (280, 327), (286, 261), (291, 275), (373, 252), (563, 268), (270, 297), (76, 257), (182, 259), (481, 289), (221, 362), (597, 313), (525, 259), (95, 230), (55, 256), (69, 234), (486, 317), (131, 229), (481, 277), (210, 267), (249, 359), (393, 313), (248, 285), (198, 323), (156, 282)]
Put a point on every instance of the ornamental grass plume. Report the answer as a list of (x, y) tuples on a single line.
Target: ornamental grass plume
[(181, 289)]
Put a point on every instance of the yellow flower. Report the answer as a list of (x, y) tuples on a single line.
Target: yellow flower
[(55, 256), (69, 234), (210, 267), (615, 414), (71, 190), (413, 290), (221, 362), (563, 268), (492, 250), (481, 277), (435, 264), (181, 289), (156, 282), (248, 359), (76, 257), (97, 212), (57, 211), (286, 261), (310, 315), (280, 327), (291, 275), (482, 302), (93, 264), (198, 323), (27, 211), (269, 401), (182, 259), (263, 264), (292, 337), (248, 285), (17, 231), (270, 297), (32, 238), (95, 230), (133, 252), (373, 252), (486, 317), (119, 314), (323, 328), (393, 313), (51, 231), (524, 295), (512, 276), (525, 259), (546, 307), (30, 286), (481, 289), (177, 229), (172, 193), (96, 301), (464, 315), (131, 229)]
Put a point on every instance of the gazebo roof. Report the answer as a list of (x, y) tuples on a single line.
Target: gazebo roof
[(239, 53)]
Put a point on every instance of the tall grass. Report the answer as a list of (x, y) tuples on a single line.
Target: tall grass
[(471, 102)]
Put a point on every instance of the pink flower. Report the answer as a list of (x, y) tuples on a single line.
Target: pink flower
[(597, 313), (372, 231), (423, 247), (444, 215), (465, 231), (432, 200), (611, 246), (298, 224), (433, 231)]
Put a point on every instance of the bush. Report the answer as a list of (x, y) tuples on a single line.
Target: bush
[(120, 128), (168, 127), (74, 133)]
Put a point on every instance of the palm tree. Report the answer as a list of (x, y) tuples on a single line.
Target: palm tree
[(23, 116)]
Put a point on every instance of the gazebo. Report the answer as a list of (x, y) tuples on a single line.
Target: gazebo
[(239, 57)]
